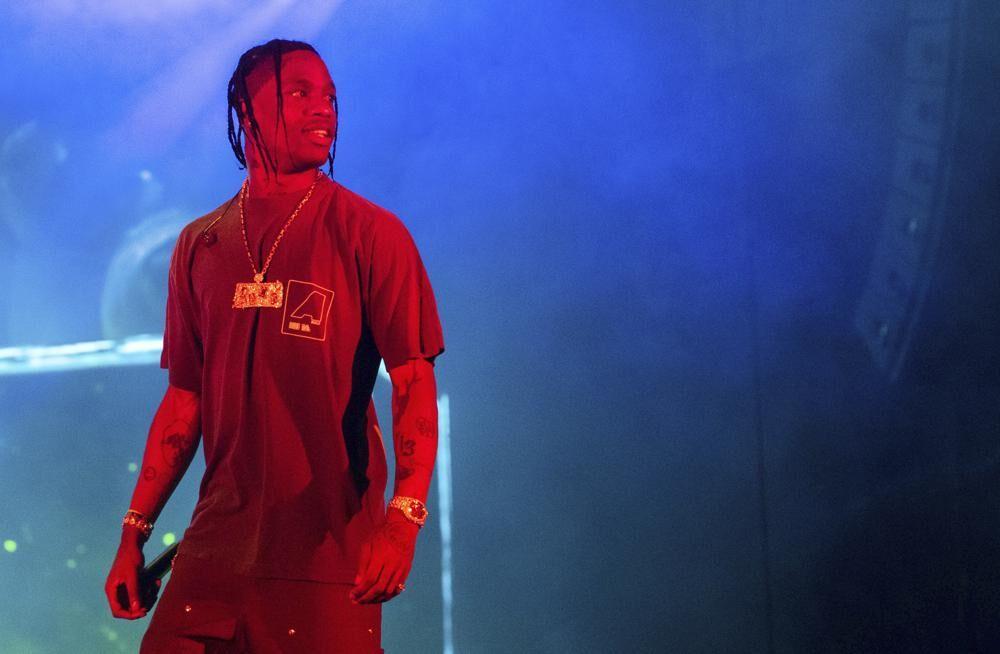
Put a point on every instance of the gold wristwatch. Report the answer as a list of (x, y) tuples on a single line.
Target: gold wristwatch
[(412, 509)]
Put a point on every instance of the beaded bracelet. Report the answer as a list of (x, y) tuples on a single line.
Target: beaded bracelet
[(136, 519)]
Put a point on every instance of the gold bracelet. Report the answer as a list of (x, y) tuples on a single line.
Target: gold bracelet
[(412, 509), (136, 519)]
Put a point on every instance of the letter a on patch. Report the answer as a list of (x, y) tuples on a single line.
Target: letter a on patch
[(307, 310)]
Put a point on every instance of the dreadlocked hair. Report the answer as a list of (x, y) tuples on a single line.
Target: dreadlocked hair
[(239, 98)]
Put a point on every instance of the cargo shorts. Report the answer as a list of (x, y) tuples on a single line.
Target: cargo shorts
[(207, 610)]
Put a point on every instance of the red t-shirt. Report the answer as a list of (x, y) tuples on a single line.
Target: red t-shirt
[(295, 466)]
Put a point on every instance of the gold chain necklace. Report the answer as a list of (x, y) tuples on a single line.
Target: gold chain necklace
[(260, 293)]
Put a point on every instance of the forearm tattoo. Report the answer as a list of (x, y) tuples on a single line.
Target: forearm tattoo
[(149, 473), (177, 443), (425, 427), (414, 430)]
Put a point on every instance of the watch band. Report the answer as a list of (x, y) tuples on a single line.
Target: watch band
[(412, 509)]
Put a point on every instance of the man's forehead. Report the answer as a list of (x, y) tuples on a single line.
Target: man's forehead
[(296, 66), (303, 63)]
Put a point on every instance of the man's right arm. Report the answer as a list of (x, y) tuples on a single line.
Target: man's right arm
[(170, 447)]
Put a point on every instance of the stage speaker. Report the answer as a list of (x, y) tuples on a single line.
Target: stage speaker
[(916, 202)]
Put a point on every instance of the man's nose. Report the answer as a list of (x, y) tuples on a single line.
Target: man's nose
[(322, 108)]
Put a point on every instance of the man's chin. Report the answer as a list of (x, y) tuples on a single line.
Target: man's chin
[(305, 164), (314, 152), (311, 162)]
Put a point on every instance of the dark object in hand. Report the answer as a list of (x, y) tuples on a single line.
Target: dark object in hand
[(150, 578), (159, 566)]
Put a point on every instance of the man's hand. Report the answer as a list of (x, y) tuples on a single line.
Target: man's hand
[(385, 561), (387, 558), (129, 598), (171, 444)]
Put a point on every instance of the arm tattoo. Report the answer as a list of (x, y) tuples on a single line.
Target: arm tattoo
[(425, 427), (402, 384), (403, 472), (149, 473), (401, 399), (408, 445), (176, 443)]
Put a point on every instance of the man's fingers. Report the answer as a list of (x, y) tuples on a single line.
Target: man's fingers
[(119, 600), (111, 590), (367, 573), (366, 591), (388, 583), (363, 562), (132, 588), (378, 592), (392, 586)]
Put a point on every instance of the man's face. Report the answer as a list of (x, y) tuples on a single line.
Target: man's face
[(302, 141)]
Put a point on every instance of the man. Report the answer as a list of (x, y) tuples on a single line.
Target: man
[(281, 303)]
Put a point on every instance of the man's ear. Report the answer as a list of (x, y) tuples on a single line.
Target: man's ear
[(245, 122)]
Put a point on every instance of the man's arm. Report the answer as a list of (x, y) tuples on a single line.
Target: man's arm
[(171, 444), (386, 561)]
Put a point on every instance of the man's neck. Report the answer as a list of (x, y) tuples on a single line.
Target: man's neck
[(264, 185)]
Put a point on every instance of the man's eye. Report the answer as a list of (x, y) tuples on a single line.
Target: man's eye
[(298, 93)]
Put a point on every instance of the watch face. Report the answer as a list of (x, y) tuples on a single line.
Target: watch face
[(413, 509)]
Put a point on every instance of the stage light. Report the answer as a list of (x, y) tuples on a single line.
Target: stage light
[(169, 539), (109, 633), (142, 349), (10, 546)]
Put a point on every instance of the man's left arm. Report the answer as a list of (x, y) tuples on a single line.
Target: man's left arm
[(387, 558)]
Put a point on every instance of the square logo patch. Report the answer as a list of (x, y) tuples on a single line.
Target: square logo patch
[(307, 310)]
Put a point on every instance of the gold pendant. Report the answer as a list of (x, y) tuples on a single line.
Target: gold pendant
[(258, 294)]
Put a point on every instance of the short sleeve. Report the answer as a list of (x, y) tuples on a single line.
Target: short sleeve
[(182, 353), (402, 313)]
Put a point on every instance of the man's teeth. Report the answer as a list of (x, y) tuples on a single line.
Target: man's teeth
[(321, 132)]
